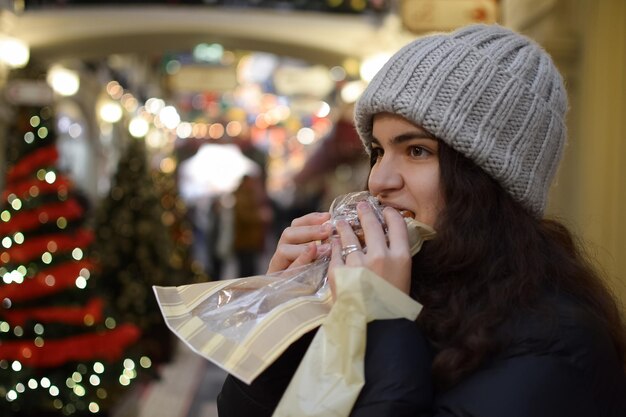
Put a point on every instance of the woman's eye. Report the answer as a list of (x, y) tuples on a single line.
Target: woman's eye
[(418, 151)]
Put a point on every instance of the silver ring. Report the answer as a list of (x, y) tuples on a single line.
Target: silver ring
[(347, 250)]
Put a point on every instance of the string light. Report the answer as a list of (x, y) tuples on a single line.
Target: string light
[(16, 203), (81, 283), (98, 367), (42, 132), (145, 362), (18, 238), (50, 177), (46, 258), (77, 254), (29, 137), (38, 329)]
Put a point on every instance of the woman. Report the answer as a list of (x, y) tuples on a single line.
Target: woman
[(466, 130)]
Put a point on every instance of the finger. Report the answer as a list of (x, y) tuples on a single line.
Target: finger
[(335, 252), (336, 261), (346, 234), (396, 230), (285, 255), (294, 235), (351, 250), (372, 229), (307, 256), (311, 219)]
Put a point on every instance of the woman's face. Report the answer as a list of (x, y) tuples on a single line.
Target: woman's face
[(405, 170)]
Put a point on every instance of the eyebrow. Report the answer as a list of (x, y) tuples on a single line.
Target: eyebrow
[(421, 134)]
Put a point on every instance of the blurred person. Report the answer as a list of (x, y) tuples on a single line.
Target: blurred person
[(218, 229), (251, 218), (466, 130)]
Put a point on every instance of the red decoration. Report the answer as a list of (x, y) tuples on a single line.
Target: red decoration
[(68, 315), (22, 188), (108, 345), (48, 281), (41, 157), (57, 243), (31, 219)]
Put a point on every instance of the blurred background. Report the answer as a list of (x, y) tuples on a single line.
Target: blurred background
[(169, 142)]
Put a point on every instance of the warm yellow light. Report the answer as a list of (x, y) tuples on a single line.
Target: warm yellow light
[(154, 105), (138, 127), (111, 112), (14, 52), (169, 117), (63, 81), (233, 128), (184, 130)]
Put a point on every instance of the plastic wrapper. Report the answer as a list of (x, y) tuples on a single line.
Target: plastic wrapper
[(242, 325)]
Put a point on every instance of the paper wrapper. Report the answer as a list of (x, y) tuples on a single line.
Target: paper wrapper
[(243, 325), (331, 374)]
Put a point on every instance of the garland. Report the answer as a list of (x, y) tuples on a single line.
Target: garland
[(27, 220), (48, 281), (22, 188), (42, 156), (67, 315), (34, 247), (106, 345)]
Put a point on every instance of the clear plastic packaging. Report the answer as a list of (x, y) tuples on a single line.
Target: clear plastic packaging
[(244, 324)]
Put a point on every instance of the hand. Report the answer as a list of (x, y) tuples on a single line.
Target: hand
[(389, 257), (297, 245)]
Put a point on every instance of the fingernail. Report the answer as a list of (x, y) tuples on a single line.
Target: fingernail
[(362, 205), (342, 223), (323, 249)]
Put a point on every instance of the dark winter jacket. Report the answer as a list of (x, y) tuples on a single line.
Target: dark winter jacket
[(556, 365)]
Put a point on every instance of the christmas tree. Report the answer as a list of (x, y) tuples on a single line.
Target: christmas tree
[(63, 351), (136, 250)]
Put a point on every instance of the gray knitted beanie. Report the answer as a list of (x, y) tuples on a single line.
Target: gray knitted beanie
[(491, 94)]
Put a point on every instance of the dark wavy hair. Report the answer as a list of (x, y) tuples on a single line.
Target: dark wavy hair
[(491, 257)]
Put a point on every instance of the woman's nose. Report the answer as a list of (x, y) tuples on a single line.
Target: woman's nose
[(384, 176)]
